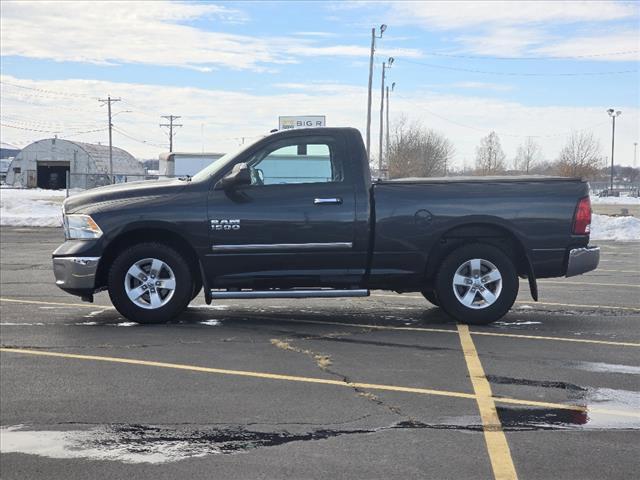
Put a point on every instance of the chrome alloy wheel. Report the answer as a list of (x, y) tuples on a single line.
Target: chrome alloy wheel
[(150, 283), (477, 283)]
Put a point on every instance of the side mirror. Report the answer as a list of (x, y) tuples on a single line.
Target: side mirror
[(240, 175)]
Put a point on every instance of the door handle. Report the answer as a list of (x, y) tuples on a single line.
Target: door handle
[(327, 201)]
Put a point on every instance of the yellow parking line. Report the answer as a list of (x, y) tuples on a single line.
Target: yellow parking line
[(387, 327), (36, 302), (499, 453), (323, 381), (444, 330), (567, 282), (609, 307), (614, 271)]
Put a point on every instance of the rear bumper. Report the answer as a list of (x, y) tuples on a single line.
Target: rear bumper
[(582, 260), (76, 274)]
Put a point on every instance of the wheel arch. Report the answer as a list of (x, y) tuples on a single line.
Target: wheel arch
[(157, 232), (482, 230)]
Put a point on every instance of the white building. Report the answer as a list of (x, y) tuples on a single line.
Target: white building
[(45, 164), (177, 164)]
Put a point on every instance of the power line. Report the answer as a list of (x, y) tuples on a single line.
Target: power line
[(522, 74), (125, 134), (549, 57), (484, 130), (42, 90)]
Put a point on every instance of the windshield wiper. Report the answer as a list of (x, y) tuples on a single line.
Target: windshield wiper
[(185, 178)]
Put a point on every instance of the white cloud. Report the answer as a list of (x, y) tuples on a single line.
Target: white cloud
[(151, 33), (460, 14), (225, 116), (597, 45)]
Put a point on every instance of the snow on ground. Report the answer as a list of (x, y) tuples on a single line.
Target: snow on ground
[(604, 227), (615, 200), (41, 208), (32, 207)]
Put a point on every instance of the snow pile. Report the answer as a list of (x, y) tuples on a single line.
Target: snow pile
[(33, 207), (615, 200), (604, 227)]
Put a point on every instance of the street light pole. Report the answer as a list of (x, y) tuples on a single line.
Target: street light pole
[(613, 114), (384, 69), (383, 27), (393, 85)]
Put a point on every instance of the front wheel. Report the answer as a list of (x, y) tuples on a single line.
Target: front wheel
[(150, 283), (477, 284)]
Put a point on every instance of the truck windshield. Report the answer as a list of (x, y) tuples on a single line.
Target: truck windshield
[(219, 164)]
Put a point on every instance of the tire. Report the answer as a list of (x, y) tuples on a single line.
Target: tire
[(473, 296), (136, 278), (431, 296)]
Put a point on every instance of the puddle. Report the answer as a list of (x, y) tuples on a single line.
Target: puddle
[(589, 397), (606, 367)]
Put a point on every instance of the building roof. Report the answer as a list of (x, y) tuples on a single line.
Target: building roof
[(123, 161)]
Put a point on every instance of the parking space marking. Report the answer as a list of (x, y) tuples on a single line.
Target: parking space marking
[(444, 330), (315, 380), (497, 446), (387, 327), (609, 307), (38, 302), (567, 282)]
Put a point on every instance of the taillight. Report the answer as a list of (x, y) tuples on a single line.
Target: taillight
[(582, 217)]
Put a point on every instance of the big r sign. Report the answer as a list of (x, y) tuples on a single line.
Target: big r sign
[(307, 121)]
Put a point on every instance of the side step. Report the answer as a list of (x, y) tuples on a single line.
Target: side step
[(296, 293)]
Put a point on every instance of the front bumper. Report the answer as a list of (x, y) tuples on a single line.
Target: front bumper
[(76, 273), (582, 260)]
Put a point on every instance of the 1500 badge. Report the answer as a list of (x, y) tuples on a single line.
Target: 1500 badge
[(225, 224)]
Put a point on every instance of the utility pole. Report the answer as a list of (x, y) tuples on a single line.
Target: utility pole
[(171, 118), (613, 114), (635, 153), (384, 68), (393, 85), (108, 101), (383, 27)]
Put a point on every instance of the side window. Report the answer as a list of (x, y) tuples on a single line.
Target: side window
[(297, 161)]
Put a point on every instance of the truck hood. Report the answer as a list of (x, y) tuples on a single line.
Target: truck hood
[(104, 198)]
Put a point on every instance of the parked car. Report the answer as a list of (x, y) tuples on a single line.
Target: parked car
[(260, 224)]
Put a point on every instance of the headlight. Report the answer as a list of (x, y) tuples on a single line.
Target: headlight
[(80, 226)]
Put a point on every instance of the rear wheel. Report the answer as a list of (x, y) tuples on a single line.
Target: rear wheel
[(150, 283), (477, 284), (431, 296)]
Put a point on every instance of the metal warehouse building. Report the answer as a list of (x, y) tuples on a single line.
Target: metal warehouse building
[(45, 164)]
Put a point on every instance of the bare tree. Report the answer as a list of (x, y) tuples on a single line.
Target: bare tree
[(415, 151), (490, 159), (580, 157), (528, 155)]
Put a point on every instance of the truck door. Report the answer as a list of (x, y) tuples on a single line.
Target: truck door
[(293, 225)]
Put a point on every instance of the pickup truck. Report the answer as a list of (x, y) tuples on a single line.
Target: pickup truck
[(296, 215)]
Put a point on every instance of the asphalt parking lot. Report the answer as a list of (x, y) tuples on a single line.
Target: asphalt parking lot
[(384, 387)]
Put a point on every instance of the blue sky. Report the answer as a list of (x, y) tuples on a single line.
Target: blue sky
[(230, 68)]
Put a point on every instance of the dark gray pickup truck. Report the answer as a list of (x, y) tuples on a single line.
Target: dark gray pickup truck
[(296, 215)]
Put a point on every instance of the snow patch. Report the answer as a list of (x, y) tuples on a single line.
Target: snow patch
[(211, 322), (615, 200), (33, 207), (604, 227)]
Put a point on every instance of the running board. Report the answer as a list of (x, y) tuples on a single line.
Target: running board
[(317, 293)]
